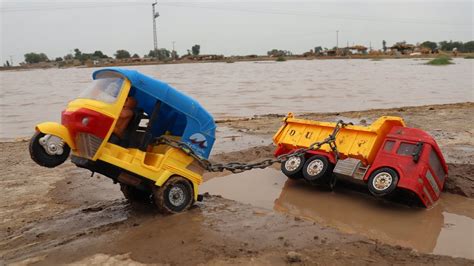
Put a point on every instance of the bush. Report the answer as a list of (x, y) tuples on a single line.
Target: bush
[(440, 61), (281, 59), (469, 56)]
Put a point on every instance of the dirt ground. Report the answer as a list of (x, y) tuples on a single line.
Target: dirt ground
[(65, 215)]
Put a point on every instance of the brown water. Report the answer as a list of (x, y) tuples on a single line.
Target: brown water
[(248, 88), (447, 228)]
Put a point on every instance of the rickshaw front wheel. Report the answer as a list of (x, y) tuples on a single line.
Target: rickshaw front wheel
[(48, 150), (175, 196)]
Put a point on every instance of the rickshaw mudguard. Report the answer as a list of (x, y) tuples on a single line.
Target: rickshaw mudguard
[(56, 129)]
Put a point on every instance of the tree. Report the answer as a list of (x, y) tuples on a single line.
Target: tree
[(277, 53), (174, 55), (160, 54), (122, 54), (318, 49), (58, 59), (68, 57), (430, 45), (468, 47), (77, 54), (32, 58), (135, 56), (99, 54), (384, 46), (196, 49)]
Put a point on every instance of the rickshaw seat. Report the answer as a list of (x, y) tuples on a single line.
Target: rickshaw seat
[(132, 137)]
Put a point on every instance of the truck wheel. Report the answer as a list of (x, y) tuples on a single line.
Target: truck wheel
[(316, 167), (132, 193), (48, 150), (383, 182), (176, 195), (292, 167)]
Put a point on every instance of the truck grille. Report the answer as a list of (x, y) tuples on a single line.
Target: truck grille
[(87, 144)]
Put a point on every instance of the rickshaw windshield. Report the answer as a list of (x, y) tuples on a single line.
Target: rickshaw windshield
[(105, 88)]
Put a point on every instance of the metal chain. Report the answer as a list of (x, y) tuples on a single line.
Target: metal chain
[(238, 167)]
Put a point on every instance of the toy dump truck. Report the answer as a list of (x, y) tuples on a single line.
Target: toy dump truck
[(386, 156)]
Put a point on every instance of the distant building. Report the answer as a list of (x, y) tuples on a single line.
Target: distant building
[(402, 48)]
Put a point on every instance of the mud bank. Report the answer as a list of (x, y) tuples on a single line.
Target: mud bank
[(63, 215)]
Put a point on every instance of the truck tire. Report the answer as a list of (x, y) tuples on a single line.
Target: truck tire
[(316, 167), (132, 193), (292, 167), (175, 196), (41, 157), (383, 182)]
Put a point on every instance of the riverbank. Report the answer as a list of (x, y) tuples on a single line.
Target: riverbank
[(230, 59), (63, 215)]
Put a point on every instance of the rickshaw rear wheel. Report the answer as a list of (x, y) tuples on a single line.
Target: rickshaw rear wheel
[(132, 193), (175, 196), (40, 156)]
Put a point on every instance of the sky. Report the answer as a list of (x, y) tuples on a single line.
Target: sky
[(224, 27)]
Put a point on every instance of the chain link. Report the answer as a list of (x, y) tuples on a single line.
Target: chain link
[(238, 167)]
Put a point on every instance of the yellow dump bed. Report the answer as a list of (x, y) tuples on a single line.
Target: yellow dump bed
[(360, 142)]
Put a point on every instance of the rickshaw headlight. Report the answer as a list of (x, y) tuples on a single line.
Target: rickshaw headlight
[(85, 121)]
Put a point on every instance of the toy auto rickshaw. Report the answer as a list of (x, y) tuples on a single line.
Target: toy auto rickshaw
[(145, 169)]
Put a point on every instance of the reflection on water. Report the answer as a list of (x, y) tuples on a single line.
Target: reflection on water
[(447, 228), (248, 88)]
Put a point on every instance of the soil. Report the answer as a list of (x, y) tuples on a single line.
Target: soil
[(65, 215)]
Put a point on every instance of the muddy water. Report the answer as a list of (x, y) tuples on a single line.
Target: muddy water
[(447, 228), (248, 88)]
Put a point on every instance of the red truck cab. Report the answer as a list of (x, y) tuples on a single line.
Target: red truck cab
[(418, 161)]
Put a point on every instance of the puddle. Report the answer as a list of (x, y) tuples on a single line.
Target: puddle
[(447, 228)]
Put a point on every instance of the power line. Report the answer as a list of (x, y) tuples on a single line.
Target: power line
[(68, 7), (236, 9), (314, 14)]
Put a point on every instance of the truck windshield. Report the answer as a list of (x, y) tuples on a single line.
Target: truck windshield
[(105, 88)]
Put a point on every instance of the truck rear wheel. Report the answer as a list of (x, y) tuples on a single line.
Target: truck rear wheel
[(382, 182), (292, 167), (48, 150), (132, 193), (316, 167), (175, 196)]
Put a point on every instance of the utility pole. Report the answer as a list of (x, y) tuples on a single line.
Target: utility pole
[(337, 38), (173, 45), (155, 15), (11, 60)]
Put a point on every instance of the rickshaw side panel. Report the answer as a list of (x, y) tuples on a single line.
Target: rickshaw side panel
[(155, 166)]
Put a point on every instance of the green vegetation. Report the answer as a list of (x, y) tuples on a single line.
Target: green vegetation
[(377, 59), (278, 53), (430, 45), (161, 54), (280, 59), (467, 47), (32, 58), (196, 49), (122, 54), (440, 61), (469, 56)]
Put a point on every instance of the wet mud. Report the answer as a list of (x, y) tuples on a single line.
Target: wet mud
[(446, 228)]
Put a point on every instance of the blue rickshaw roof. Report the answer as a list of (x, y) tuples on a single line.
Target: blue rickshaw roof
[(147, 91)]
